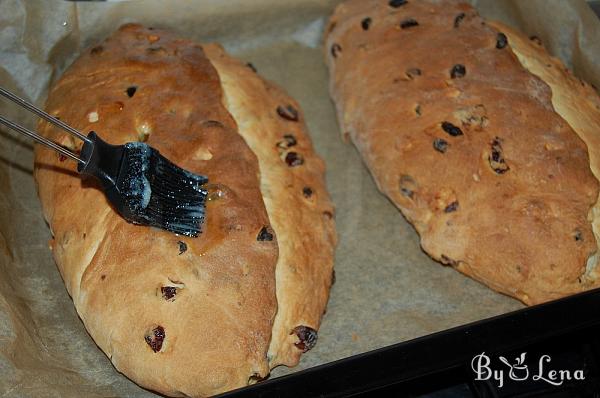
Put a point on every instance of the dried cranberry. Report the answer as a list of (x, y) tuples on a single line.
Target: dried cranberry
[(288, 141), (61, 157), (155, 338), (168, 292), (131, 91), (501, 41), (451, 207), (459, 19), (440, 145), (96, 50), (264, 235), (307, 191), (293, 159), (457, 71), (409, 23), (451, 129), (307, 337), (335, 50), (397, 3), (366, 23), (288, 112), (496, 159), (251, 66), (413, 72), (182, 247)]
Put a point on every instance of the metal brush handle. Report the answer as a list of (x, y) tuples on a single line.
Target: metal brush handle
[(32, 134)]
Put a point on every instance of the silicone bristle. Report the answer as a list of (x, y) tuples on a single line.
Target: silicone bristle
[(161, 194)]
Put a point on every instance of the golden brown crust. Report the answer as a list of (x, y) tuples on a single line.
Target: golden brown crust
[(505, 200), (218, 326), (296, 199), (575, 101)]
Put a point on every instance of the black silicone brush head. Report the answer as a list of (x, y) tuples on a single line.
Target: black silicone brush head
[(146, 188), (159, 193)]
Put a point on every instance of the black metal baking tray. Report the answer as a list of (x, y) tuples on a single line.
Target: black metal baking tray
[(442, 365)]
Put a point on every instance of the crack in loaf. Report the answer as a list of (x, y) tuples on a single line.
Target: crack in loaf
[(465, 140), (178, 315)]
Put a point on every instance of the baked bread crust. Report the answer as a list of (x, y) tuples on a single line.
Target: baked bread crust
[(296, 199), (465, 141), (575, 101), (181, 316)]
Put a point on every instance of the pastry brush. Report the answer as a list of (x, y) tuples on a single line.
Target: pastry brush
[(142, 185)]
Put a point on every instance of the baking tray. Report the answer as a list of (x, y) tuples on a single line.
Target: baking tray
[(441, 364), (387, 290)]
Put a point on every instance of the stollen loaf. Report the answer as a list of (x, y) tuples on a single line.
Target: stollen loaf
[(191, 316), (478, 136)]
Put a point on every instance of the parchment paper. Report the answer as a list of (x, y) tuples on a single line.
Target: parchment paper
[(387, 289)]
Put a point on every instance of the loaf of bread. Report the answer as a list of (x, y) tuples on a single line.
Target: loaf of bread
[(478, 136), (191, 316)]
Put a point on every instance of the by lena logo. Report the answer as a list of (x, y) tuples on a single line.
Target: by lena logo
[(519, 371)]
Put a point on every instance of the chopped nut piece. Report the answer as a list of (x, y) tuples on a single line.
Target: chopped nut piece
[(288, 141), (448, 261)]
